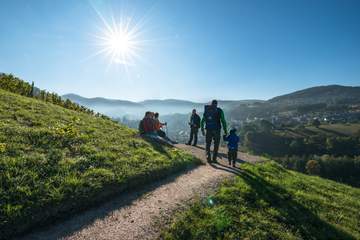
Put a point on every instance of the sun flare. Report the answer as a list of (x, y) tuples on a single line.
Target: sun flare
[(119, 42)]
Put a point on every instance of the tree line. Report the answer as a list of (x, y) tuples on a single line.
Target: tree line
[(334, 157), (10, 83)]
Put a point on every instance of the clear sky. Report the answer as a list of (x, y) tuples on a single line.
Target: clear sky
[(188, 49)]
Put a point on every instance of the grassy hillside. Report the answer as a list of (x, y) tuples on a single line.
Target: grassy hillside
[(54, 161), (337, 130), (268, 202)]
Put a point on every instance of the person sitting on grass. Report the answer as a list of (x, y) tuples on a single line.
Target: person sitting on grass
[(147, 124), (233, 144), (149, 128), (159, 125), (159, 131)]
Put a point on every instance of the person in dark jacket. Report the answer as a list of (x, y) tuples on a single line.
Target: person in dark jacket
[(212, 121), (194, 127), (233, 144)]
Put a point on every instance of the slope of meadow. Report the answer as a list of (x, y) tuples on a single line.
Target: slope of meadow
[(54, 161), (268, 202)]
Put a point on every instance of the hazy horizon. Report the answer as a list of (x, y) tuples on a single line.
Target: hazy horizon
[(185, 50)]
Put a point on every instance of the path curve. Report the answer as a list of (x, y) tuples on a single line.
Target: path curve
[(140, 214)]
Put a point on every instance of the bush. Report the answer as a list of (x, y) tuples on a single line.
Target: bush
[(313, 167)]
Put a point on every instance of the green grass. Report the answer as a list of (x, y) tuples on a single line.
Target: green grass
[(336, 130), (327, 130), (268, 202), (54, 161), (343, 129)]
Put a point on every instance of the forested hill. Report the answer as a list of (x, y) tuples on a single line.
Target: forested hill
[(321, 94)]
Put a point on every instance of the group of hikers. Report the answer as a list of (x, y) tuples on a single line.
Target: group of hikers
[(210, 124), (151, 127)]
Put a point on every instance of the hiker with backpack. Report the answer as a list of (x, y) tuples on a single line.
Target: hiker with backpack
[(194, 127), (233, 144), (213, 120)]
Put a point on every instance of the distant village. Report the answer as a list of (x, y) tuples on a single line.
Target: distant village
[(293, 118)]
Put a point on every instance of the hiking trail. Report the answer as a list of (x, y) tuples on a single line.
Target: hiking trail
[(141, 213)]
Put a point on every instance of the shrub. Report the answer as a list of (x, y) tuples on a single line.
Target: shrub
[(313, 167)]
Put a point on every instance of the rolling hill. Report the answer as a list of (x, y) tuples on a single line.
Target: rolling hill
[(98, 101), (55, 161), (333, 98), (321, 94)]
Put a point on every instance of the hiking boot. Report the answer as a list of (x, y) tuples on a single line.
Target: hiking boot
[(187, 143), (233, 164), (214, 158), (230, 163)]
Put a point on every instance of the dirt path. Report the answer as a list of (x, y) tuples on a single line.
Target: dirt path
[(140, 214)]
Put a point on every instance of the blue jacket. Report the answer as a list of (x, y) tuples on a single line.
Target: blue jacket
[(233, 141)]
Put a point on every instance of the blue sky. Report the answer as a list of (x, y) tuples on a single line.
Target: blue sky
[(196, 50)]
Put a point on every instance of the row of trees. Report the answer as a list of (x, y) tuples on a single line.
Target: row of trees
[(15, 85), (342, 169), (278, 145), (333, 157)]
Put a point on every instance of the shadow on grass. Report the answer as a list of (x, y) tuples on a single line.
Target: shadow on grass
[(223, 164), (67, 225), (293, 214), (158, 144)]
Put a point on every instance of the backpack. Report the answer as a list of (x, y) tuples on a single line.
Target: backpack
[(212, 117)]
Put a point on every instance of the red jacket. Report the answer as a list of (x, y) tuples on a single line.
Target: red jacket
[(149, 125)]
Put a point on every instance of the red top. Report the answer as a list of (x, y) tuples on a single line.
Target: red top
[(149, 125)]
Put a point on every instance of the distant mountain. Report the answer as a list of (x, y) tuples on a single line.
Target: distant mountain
[(230, 104), (99, 101), (321, 94), (120, 108), (173, 102), (322, 98)]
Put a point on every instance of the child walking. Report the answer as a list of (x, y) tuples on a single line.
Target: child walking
[(233, 142)]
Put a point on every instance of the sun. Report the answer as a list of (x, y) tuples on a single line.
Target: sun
[(119, 41)]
